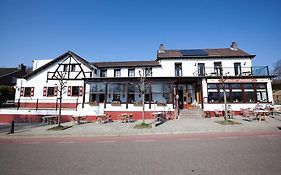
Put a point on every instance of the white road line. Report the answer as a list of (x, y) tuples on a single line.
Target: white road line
[(188, 139), (106, 141), (227, 137), (66, 142), (29, 143), (145, 140), (268, 135)]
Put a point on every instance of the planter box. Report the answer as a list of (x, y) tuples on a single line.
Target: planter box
[(94, 104), (116, 103)]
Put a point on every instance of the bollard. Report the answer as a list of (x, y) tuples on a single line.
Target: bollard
[(12, 127)]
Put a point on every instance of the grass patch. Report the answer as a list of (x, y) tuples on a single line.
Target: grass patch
[(228, 122), (58, 128), (142, 126)]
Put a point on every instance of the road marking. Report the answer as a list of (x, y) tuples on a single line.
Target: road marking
[(188, 139), (268, 135), (29, 143), (145, 140), (106, 141), (66, 142), (227, 137)]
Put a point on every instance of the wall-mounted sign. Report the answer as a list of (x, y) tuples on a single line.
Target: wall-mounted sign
[(248, 80)]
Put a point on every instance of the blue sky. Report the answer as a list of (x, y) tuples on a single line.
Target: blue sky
[(132, 30)]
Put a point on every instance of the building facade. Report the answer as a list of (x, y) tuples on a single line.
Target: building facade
[(175, 80)]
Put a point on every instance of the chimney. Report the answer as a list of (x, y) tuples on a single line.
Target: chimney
[(21, 67), (233, 46), (161, 49)]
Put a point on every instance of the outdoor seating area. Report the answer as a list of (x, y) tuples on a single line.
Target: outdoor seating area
[(79, 119), (50, 119), (258, 113), (126, 118), (159, 116), (104, 118)]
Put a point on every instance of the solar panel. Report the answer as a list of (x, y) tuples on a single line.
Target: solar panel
[(194, 52)]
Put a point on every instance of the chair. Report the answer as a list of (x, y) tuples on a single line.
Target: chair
[(218, 113)]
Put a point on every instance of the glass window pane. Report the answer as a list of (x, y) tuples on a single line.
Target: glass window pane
[(250, 97), (212, 86), (237, 97), (212, 97), (236, 86)]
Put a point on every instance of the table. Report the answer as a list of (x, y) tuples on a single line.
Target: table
[(126, 118), (159, 116), (104, 118), (78, 119), (50, 119), (260, 114)]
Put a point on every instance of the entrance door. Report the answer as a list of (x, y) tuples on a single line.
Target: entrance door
[(237, 68), (180, 99)]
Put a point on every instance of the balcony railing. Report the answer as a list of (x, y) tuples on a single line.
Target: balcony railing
[(233, 71)]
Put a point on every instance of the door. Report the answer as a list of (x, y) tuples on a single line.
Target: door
[(180, 99), (237, 68), (201, 69), (217, 68)]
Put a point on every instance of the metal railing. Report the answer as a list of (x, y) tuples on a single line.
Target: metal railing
[(232, 71)]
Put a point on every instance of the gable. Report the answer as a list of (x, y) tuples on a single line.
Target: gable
[(62, 58)]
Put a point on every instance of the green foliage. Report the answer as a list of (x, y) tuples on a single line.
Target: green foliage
[(228, 122), (6, 93), (59, 128), (142, 126)]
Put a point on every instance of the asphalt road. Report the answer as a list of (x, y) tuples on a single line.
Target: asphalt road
[(260, 154)]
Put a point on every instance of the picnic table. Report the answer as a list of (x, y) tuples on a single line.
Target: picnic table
[(50, 119), (125, 118), (159, 116), (79, 119), (104, 118)]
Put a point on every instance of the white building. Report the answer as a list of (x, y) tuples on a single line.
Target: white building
[(181, 79)]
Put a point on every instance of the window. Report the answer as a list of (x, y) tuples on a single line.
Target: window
[(236, 93), (218, 68), (117, 72), (237, 68), (50, 91), (148, 72), (178, 69), (261, 93), (75, 90), (116, 91), (161, 92), (131, 72), (103, 73), (73, 66), (201, 69), (27, 91), (97, 92), (95, 71), (65, 68), (249, 93)]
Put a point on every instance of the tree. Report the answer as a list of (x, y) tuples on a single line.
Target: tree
[(143, 87), (277, 69), (61, 89)]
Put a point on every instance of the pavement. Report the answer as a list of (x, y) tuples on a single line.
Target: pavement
[(177, 126)]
